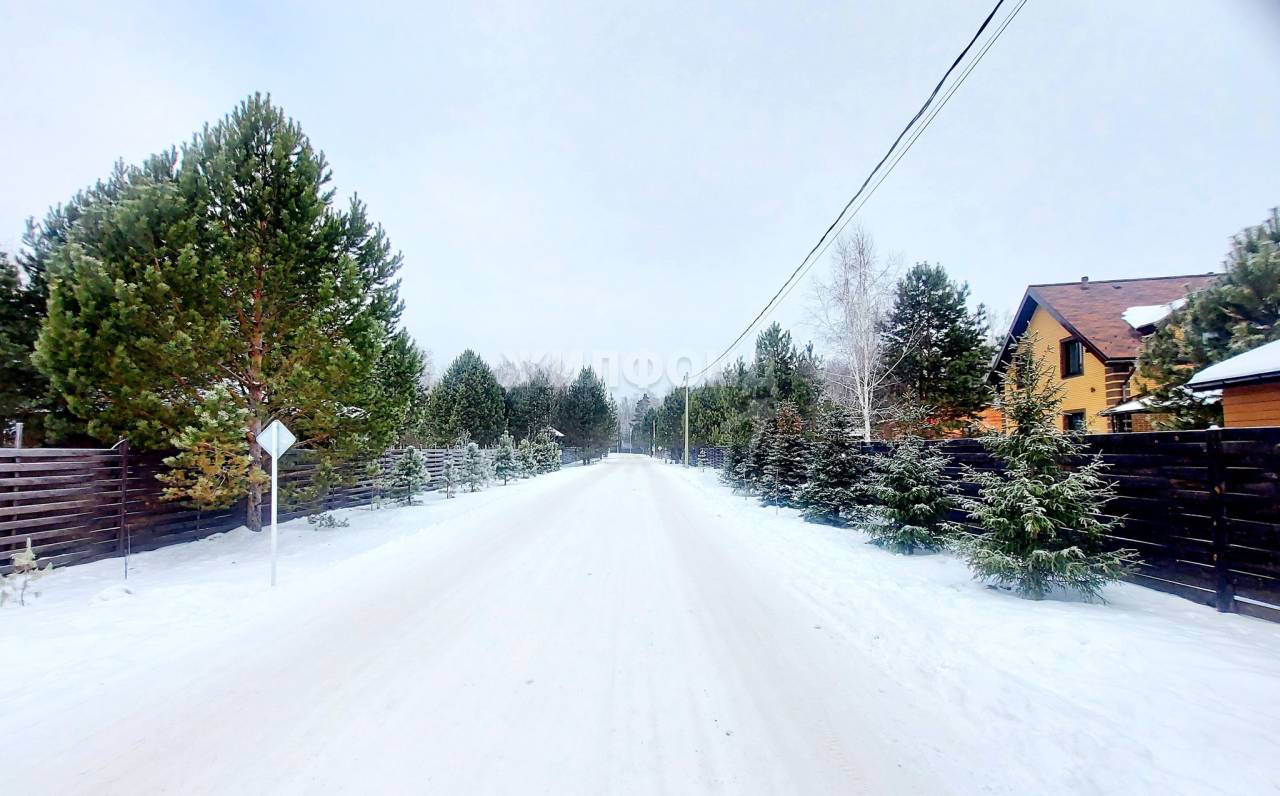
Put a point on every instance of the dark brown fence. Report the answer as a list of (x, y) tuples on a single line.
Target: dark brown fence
[(79, 505), (1201, 507)]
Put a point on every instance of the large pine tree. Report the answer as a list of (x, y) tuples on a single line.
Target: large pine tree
[(836, 480), (467, 400), (585, 415), (1043, 522), (1238, 313), (937, 348), (531, 404), (227, 263), (22, 387)]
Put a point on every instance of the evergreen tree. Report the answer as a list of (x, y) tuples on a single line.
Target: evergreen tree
[(528, 459), (229, 265), (25, 393), (751, 472), (916, 497), (546, 453), (731, 472), (398, 388), (409, 475), (505, 464), (450, 478), (22, 387), (783, 372), (25, 569), (584, 415), (642, 417), (531, 404), (1239, 312), (936, 347), (786, 460), (1043, 523), (467, 399), (212, 468), (475, 467), (835, 483)]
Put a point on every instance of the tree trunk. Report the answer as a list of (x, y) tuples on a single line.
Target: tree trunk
[(253, 502)]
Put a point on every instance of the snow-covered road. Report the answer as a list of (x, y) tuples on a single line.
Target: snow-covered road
[(628, 627)]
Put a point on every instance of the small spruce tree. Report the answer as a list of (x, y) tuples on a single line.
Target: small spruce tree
[(409, 476), (449, 479), (915, 495), (751, 471), (475, 467), (26, 570), (528, 461), (1043, 523), (787, 458), (546, 453), (734, 456), (834, 488), (505, 465)]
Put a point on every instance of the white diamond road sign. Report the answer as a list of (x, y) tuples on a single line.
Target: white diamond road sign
[(276, 439)]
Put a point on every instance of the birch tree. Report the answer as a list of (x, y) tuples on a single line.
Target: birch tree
[(849, 309)]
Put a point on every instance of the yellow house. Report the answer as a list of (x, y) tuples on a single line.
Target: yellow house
[(1093, 331)]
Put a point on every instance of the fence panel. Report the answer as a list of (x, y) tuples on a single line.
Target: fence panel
[(1202, 508)]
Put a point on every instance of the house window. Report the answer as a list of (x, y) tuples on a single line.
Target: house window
[(1072, 358), (1073, 421)]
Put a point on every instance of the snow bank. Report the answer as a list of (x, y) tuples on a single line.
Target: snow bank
[(1147, 694)]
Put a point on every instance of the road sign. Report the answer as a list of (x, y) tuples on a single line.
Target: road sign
[(276, 440)]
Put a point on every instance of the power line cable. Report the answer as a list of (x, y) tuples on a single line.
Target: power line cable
[(910, 143), (785, 288)]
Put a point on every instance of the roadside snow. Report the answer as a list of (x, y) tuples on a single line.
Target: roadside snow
[(1149, 693), (628, 627)]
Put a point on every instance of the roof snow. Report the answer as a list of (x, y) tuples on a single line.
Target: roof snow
[(1256, 365), (1147, 403), (1150, 314)]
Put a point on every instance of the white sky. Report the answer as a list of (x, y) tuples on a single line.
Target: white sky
[(641, 178)]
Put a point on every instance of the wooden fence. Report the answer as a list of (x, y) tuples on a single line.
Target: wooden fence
[(79, 504), (1201, 507)]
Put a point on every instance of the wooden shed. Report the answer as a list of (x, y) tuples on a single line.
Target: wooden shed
[(1250, 384)]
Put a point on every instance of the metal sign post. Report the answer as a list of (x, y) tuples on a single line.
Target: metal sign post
[(276, 439)]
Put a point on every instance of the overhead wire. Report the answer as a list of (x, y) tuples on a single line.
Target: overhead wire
[(845, 216)]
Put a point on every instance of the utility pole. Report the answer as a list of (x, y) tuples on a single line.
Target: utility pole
[(653, 441), (686, 420)]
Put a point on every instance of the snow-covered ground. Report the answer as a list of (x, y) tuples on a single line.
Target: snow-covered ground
[(628, 627)]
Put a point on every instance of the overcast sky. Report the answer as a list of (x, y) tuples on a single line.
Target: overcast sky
[(579, 178)]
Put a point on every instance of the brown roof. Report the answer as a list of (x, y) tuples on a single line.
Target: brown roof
[(1092, 310)]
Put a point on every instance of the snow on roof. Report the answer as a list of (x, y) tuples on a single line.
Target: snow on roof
[(1259, 364), (1150, 314), (1143, 403)]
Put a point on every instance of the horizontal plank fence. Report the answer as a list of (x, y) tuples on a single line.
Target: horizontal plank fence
[(78, 505), (1202, 508)]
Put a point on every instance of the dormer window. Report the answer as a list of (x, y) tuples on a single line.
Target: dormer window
[(1072, 358)]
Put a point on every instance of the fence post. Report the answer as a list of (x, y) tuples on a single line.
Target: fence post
[(1224, 591), (123, 540)]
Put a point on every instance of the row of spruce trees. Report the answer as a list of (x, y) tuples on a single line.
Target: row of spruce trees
[(1036, 524), (468, 467)]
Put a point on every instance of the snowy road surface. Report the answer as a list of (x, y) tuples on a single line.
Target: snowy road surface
[(628, 627)]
